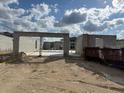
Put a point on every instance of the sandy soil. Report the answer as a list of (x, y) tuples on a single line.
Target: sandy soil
[(59, 75)]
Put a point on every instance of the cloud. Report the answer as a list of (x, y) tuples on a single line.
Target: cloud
[(8, 13), (36, 18), (74, 21), (93, 19), (39, 11), (72, 17), (55, 8), (83, 14), (46, 22), (74, 30), (120, 34), (6, 25), (118, 3), (8, 1), (92, 26)]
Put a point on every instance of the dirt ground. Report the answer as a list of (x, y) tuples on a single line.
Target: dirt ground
[(59, 75)]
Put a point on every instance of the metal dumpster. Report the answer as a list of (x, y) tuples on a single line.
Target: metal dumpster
[(91, 53)]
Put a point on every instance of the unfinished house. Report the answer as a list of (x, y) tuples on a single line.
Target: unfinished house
[(101, 41), (120, 43), (18, 35), (6, 44), (27, 44)]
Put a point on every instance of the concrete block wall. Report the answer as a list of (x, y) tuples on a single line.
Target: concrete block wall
[(79, 44), (6, 43), (27, 44), (110, 42), (120, 44), (86, 40)]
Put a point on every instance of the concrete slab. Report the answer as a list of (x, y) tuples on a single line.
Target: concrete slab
[(51, 53)]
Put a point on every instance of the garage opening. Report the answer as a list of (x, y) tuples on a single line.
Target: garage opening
[(35, 46)]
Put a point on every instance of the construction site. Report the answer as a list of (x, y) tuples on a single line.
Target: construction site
[(83, 64), (61, 46)]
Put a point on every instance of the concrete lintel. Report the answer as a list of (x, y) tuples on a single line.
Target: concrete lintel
[(41, 34), (8, 34)]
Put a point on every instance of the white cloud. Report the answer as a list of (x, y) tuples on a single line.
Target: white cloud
[(95, 19), (7, 13), (118, 3), (74, 30), (34, 19), (54, 7), (46, 22), (40, 10), (75, 21), (105, 1), (73, 17), (120, 34), (8, 1), (92, 26)]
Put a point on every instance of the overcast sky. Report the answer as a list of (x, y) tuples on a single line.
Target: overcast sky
[(73, 16)]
